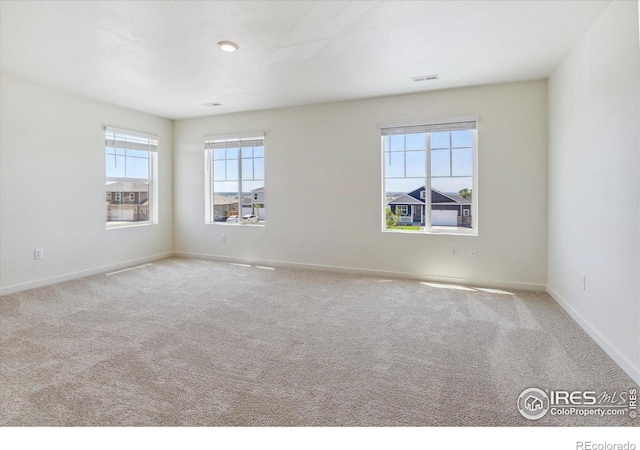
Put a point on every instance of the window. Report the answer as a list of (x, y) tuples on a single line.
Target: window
[(131, 168), (235, 179), (439, 157)]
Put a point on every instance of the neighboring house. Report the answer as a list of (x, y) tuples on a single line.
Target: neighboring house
[(254, 203), (446, 209), (224, 207), (127, 201)]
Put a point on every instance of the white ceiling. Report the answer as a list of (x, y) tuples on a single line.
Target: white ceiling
[(161, 57)]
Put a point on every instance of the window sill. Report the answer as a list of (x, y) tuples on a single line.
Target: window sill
[(114, 225), (437, 232), (236, 224)]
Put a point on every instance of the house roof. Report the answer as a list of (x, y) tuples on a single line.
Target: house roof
[(219, 200), (454, 197), (128, 186), (458, 198), (408, 199), (405, 199)]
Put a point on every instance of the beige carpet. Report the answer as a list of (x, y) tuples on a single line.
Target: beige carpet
[(190, 342)]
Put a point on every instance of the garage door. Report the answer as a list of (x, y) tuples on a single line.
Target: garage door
[(444, 218)]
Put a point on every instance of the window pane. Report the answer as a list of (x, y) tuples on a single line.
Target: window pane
[(394, 164), (138, 153), (225, 200), (247, 152), (253, 202), (440, 139), (232, 153), (258, 168), (232, 169), (249, 186), (247, 167), (452, 185), (219, 153), (450, 199), (137, 168), (462, 162), (404, 212), (115, 166), (416, 164), (396, 142), (440, 163), (416, 141), (127, 201), (462, 138), (219, 173), (258, 152), (226, 188)]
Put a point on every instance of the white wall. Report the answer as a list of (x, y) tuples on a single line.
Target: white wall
[(593, 184), (52, 187), (323, 187)]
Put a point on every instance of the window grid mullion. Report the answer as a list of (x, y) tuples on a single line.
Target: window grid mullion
[(427, 191), (450, 154), (239, 219)]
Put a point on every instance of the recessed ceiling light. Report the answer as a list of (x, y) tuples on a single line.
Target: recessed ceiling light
[(212, 104), (426, 77), (227, 46)]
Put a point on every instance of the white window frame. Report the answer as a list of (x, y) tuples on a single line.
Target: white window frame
[(402, 210), (234, 140), (135, 140), (444, 123)]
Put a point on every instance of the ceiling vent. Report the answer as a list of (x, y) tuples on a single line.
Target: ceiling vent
[(212, 104), (426, 77)]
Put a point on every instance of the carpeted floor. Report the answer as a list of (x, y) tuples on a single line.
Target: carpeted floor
[(192, 342)]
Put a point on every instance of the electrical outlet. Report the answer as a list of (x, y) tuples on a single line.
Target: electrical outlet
[(473, 253), (584, 282), (38, 253), (223, 237), (453, 251)]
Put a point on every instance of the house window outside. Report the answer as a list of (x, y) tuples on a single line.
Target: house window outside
[(235, 179), (131, 168), (439, 157)]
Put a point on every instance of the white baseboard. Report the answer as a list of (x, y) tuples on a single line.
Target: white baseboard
[(369, 272), (83, 273), (610, 349)]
